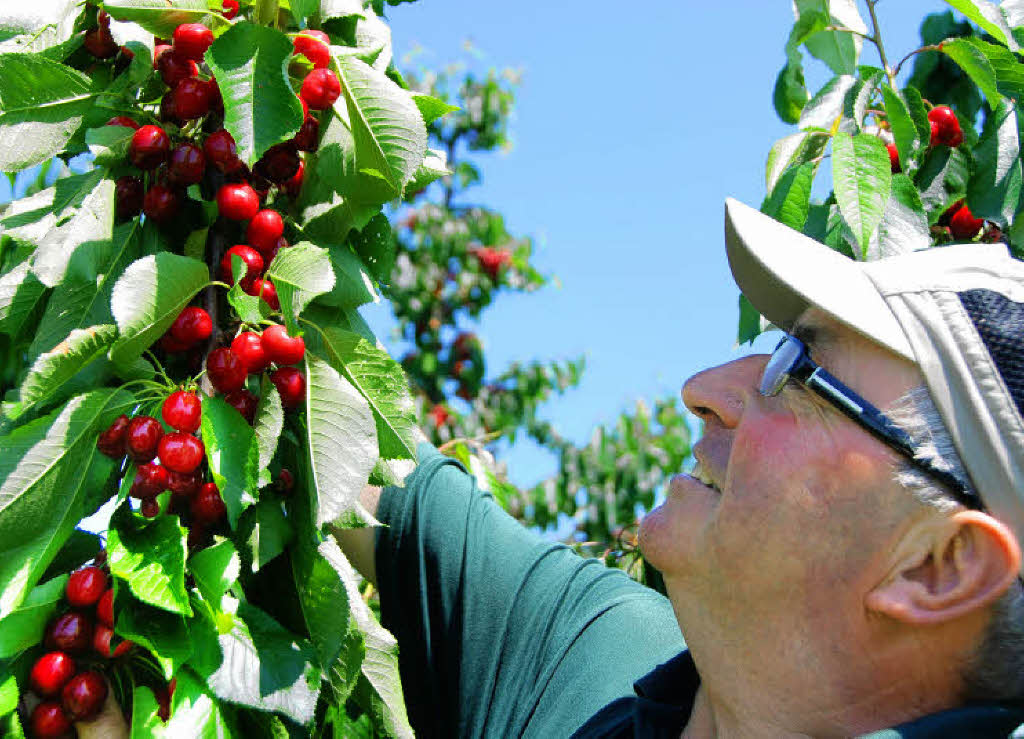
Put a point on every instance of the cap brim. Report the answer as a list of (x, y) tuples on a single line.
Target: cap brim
[(782, 273)]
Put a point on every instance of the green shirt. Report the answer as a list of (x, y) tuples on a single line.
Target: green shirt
[(503, 634)]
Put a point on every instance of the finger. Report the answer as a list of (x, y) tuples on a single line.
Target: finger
[(109, 723)]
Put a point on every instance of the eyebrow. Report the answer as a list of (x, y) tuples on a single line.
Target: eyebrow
[(814, 336)]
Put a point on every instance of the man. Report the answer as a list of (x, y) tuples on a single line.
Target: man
[(844, 558)]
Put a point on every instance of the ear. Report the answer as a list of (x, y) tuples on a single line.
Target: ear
[(953, 566)]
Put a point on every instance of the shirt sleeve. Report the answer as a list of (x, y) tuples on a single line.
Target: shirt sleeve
[(501, 633)]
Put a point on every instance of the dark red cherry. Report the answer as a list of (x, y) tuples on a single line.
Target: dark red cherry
[(111, 441), (291, 386), (294, 185), (100, 43), (85, 586), (285, 480), (174, 67), (244, 402), (308, 137), (150, 480), (71, 633), (192, 98), (187, 165), (186, 484), (162, 203), (49, 720), (105, 608), (129, 196), (142, 437), (208, 505), (150, 507), (149, 147), (84, 694), (220, 149), (50, 673), (182, 411), (225, 370), (191, 326), (181, 452), (281, 348), (104, 634), (279, 164)]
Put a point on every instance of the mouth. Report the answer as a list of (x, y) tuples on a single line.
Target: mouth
[(704, 477)]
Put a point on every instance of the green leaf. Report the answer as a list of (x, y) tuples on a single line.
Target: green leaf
[(383, 384), (303, 9), (975, 64), (375, 245), (862, 180), (163, 633), (918, 112), (389, 133), (792, 150), (989, 17), (266, 667), (751, 324), (50, 377), (265, 531), (380, 666), (24, 627), (146, 724), (434, 167), (828, 104), (47, 470), (904, 226), (249, 308), (80, 547), (432, 108), (42, 104), (300, 273), (215, 570), (353, 285), (269, 422), (340, 8), (27, 30), (260, 109), (1008, 70), (233, 454), (109, 144), (79, 302), (161, 17), (342, 439), (838, 49), (790, 201), (20, 293), (994, 189), (148, 297), (942, 179), (902, 123), (195, 712), (149, 555), (8, 693)]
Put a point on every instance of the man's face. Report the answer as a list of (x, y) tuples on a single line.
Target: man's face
[(803, 507)]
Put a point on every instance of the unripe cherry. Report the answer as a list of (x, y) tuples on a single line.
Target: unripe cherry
[(253, 264), (320, 89), (149, 147), (162, 203), (266, 290), (244, 402), (85, 586), (191, 40), (237, 202), (84, 694), (225, 370), (182, 411), (314, 49), (208, 505), (263, 231), (50, 673), (142, 437), (248, 347), (111, 441), (192, 325), (291, 386), (281, 348), (181, 452)]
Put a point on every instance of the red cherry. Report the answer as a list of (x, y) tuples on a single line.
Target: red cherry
[(149, 147), (192, 325), (293, 185), (150, 507), (150, 480), (129, 195), (220, 149), (279, 164), (182, 411), (181, 452), (184, 484), (252, 259), (248, 347), (187, 164), (314, 49), (168, 113), (85, 586), (100, 43), (208, 505), (102, 637), (264, 230), (320, 89), (285, 479), (142, 437), (122, 120), (492, 260), (894, 158), (244, 402), (84, 695), (947, 127), (291, 386), (111, 441), (162, 203), (191, 40), (174, 67), (71, 633), (266, 290), (308, 137), (105, 608), (158, 51), (281, 348), (50, 672), (225, 370), (237, 202), (957, 138), (192, 98), (963, 225), (49, 720), (230, 11), (439, 414), (172, 345)]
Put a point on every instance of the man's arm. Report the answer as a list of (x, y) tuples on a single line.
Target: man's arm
[(358, 544)]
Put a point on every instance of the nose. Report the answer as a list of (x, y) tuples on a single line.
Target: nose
[(722, 392)]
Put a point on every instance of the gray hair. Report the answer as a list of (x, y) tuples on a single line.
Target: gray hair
[(995, 672)]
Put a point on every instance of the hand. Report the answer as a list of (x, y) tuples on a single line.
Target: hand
[(109, 723)]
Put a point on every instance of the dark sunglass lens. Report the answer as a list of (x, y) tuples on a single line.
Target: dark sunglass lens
[(776, 372)]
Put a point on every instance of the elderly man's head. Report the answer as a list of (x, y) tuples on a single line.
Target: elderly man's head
[(812, 568)]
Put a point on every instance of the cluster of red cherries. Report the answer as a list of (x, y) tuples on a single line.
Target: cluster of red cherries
[(68, 678)]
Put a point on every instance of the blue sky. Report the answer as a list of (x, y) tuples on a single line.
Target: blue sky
[(633, 124)]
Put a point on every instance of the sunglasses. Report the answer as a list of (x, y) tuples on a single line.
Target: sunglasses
[(791, 361)]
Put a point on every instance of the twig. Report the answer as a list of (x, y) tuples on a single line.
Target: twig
[(876, 39), (929, 47), (214, 247), (844, 29)]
